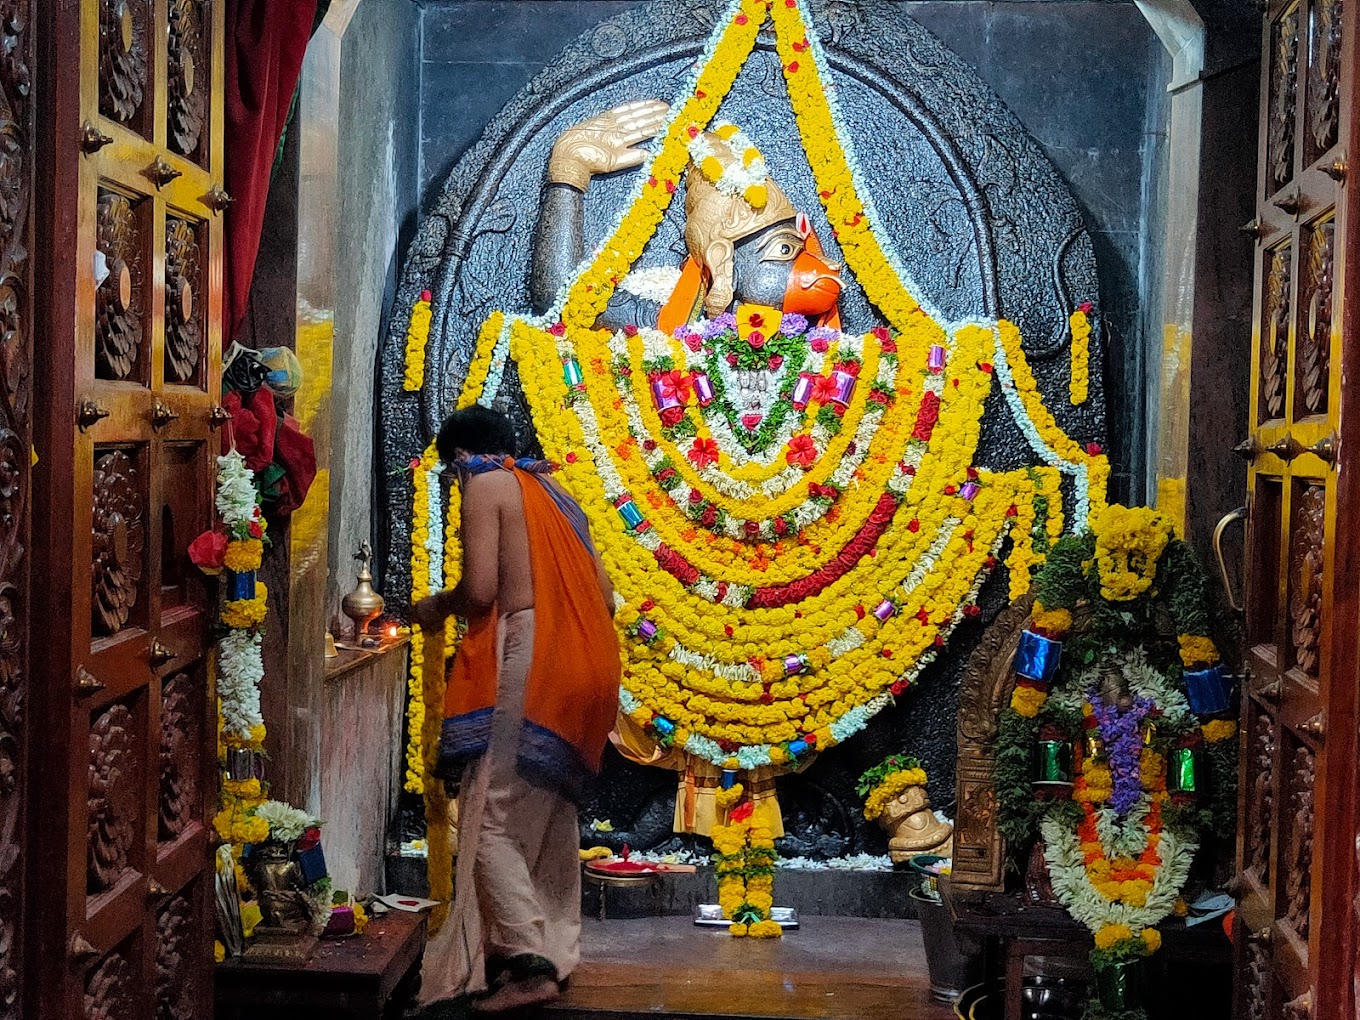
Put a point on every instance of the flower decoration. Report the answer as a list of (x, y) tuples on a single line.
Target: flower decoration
[(1097, 674)]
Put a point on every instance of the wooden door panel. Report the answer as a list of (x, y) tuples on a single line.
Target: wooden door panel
[(138, 357), (1299, 711)]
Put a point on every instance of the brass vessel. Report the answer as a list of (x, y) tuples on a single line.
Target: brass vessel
[(363, 605)]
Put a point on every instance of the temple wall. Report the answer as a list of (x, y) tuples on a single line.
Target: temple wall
[(378, 169)]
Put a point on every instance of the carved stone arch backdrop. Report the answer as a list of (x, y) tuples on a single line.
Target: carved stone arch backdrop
[(982, 220)]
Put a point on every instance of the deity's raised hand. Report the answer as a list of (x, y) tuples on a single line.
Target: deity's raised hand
[(605, 143)]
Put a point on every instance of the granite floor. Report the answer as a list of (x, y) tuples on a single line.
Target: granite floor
[(837, 968)]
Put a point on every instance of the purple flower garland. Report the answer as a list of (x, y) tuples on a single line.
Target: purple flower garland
[(1122, 734)]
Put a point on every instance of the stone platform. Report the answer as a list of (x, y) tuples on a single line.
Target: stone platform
[(832, 892), (834, 968)]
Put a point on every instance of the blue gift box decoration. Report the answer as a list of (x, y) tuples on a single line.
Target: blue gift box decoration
[(312, 863), (797, 747), (1037, 657), (240, 586), (1209, 691)]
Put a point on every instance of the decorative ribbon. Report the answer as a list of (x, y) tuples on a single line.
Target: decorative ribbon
[(1037, 657), (1209, 691)]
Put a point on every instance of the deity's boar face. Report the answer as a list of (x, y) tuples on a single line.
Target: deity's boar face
[(774, 267)]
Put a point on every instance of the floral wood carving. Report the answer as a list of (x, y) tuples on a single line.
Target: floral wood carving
[(109, 990), (119, 536), (118, 303), (181, 735), (979, 851), (124, 30), (1314, 346), (16, 321), (176, 962), (112, 797), (1324, 74), (1284, 75), (1262, 802), (1305, 582), (1275, 334), (1256, 980), (188, 75), (1298, 882), (183, 301)]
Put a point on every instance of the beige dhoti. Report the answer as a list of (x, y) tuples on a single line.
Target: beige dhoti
[(518, 882)]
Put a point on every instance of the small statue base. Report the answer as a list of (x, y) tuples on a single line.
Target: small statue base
[(274, 946)]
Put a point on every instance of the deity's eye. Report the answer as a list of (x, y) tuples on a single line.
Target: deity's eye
[(783, 248)]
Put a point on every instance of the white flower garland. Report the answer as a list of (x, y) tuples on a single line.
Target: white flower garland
[(1067, 869), (236, 496), (240, 670), (656, 283), (748, 171)]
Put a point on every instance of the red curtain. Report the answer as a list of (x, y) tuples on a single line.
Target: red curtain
[(266, 40)]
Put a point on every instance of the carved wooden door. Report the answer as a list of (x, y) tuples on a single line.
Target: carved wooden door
[(1297, 849), (127, 461)]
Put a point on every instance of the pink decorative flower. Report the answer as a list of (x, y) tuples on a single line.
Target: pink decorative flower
[(824, 389), (802, 451), (703, 452)]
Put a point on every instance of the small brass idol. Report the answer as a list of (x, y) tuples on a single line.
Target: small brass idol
[(363, 605)]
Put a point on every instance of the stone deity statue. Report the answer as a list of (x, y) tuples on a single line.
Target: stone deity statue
[(739, 252), (747, 246)]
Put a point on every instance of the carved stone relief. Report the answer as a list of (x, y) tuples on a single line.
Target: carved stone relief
[(109, 993), (1275, 332), (183, 301), (1324, 73), (118, 302), (111, 798), (124, 42), (119, 537), (1305, 580), (177, 969), (181, 737), (1284, 75), (1261, 804), (1298, 880), (1313, 348), (188, 75)]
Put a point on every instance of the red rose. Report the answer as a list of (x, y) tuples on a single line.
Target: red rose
[(926, 417), (710, 516), (820, 346), (311, 837), (1093, 449), (752, 527), (256, 529), (913, 525), (558, 329), (732, 359), (756, 339), (781, 526), (695, 496), (665, 474), (630, 330), (672, 416), (208, 550), (776, 360), (986, 366)]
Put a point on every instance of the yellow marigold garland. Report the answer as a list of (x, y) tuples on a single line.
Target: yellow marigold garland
[(1129, 542), (417, 337), (892, 785), (243, 555), (853, 658), (245, 614), (1080, 385)]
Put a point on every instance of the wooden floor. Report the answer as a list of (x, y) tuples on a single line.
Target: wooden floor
[(837, 968)]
